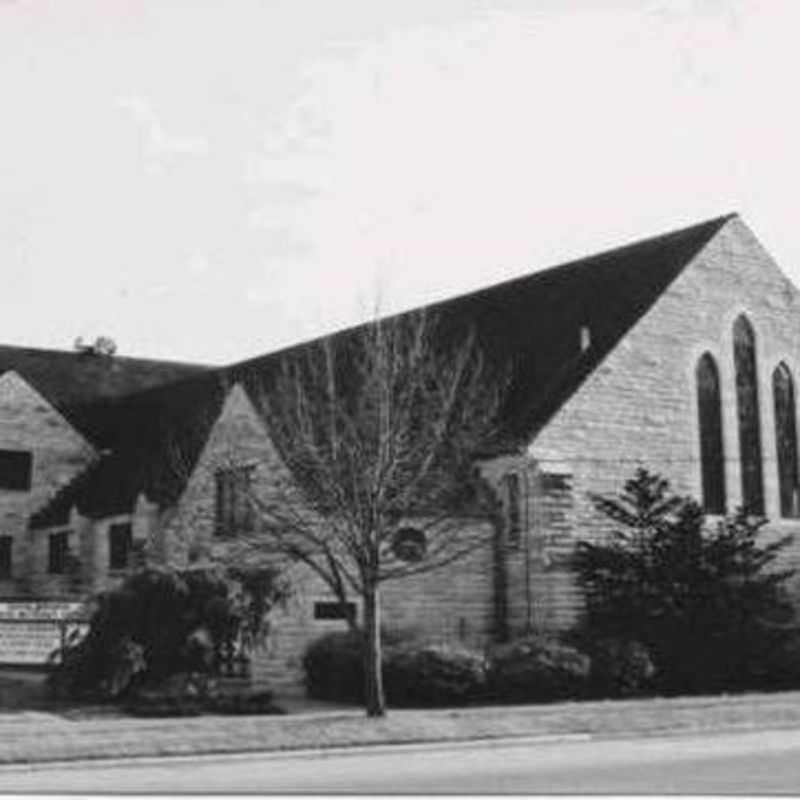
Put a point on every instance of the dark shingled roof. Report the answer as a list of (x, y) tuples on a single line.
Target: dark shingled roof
[(534, 322), (153, 441), (75, 382), (531, 323)]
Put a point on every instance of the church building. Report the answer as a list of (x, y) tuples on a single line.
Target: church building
[(677, 353)]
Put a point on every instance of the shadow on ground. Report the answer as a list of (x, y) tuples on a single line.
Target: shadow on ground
[(23, 689)]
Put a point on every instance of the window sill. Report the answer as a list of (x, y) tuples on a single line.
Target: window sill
[(772, 522)]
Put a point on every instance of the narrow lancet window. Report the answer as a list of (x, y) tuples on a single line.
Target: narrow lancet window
[(744, 355), (786, 440), (712, 459)]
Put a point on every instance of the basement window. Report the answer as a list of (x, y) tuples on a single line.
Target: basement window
[(328, 610), (120, 543), (15, 470), (58, 549), (5, 556)]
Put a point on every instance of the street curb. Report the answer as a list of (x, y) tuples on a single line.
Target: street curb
[(179, 743), (296, 753), (421, 745)]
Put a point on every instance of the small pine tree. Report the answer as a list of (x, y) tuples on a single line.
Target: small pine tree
[(702, 598)]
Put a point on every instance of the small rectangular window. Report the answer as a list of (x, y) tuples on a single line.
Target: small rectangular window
[(334, 610), (234, 509), (5, 556), (15, 470), (555, 482), (120, 543), (57, 553)]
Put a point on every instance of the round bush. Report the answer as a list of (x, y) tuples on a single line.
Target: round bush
[(334, 667), (538, 669), (434, 675)]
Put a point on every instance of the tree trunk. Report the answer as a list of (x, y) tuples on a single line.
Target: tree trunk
[(374, 700)]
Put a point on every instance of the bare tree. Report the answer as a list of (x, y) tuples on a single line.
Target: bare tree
[(380, 429)]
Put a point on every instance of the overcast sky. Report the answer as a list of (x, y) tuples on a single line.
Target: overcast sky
[(209, 180)]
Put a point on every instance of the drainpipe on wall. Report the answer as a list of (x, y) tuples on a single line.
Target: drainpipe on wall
[(500, 627)]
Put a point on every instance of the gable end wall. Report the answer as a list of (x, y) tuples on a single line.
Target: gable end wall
[(60, 453), (454, 603)]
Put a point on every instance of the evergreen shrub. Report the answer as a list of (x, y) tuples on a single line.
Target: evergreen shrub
[(158, 623), (704, 598)]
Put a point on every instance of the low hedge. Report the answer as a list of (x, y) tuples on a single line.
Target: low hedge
[(189, 694), (228, 704), (434, 675), (538, 669), (531, 669)]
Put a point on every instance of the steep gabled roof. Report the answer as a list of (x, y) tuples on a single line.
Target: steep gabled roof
[(532, 324), (153, 441)]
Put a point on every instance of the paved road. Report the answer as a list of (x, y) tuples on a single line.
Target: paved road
[(749, 763)]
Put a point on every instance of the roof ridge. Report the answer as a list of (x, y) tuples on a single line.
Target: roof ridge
[(713, 222), (53, 351)]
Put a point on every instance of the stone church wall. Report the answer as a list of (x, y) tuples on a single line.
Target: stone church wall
[(639, 407)]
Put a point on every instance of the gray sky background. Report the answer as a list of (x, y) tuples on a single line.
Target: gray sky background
[(209, 180)]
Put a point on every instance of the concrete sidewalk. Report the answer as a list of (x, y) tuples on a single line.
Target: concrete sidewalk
[(40, 737)]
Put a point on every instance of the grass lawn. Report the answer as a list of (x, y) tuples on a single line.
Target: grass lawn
[(36, 736)]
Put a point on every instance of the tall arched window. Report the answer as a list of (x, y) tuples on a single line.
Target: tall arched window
[(744, 356), (786, 440), (709, 409)]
